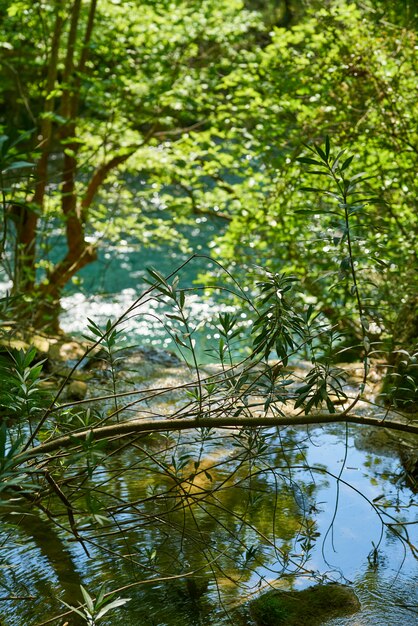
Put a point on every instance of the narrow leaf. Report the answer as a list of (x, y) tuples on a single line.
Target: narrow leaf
[(112, 605), (346, 163), (327, 146), (309, 161), (18, 165)]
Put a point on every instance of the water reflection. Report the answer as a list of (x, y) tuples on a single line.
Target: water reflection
[(219, 521), (37, 562)]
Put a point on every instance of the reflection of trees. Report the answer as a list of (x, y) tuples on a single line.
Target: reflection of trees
[(173, 515), (56, 574), (222, 510), (180, 515)]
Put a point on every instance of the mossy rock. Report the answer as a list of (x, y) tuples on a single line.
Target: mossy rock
[(13, 343), (310, 607), (77, 390)]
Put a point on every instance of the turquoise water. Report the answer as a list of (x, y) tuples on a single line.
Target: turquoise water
[(110, 286)]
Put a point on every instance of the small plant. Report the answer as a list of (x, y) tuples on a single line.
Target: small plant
[(13, 475), (93, 610), (112, 349), (21, 395)]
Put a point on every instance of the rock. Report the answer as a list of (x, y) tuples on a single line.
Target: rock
[(400, 386), (409, 460), (13, 344), (310, 607), (159, 356), (67, 351), (77, 390), (40, 343)]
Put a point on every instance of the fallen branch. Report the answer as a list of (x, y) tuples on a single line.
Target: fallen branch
[(136, 426)]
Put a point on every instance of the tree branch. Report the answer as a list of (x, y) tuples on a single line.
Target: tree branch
[(133, 427), (103, 170), (100, 175)]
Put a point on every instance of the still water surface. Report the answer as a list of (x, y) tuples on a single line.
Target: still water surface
[(39, 561)]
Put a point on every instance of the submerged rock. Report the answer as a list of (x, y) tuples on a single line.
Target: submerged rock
[(310, 607), (77, 390)]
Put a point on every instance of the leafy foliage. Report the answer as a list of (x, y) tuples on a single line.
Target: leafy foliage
[(21, 395), (94, 609), (277, 323)]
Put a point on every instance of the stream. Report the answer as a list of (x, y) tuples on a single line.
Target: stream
[(39, 561), (308, 508)]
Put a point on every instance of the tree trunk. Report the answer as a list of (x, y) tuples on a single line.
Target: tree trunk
[(79, 252), (26, 217)]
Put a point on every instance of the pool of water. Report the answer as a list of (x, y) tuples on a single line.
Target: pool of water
[(309, 508)]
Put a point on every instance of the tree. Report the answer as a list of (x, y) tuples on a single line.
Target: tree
[(340, 71), (100, 88), (212, 124)]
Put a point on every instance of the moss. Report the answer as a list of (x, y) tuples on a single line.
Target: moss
[(304, 608)]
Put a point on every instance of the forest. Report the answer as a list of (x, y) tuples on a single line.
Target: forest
[(208, 312)]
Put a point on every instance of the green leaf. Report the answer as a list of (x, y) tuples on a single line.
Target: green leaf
[(380, 262), (112, 605), (18, 165), (346, 163), (87, 599), (345, 264), (337, 160), (309, 161), (180, 342), (364, 323), (74, 610), (321, 153), (157, 276), (327, 147), (3, 139), (173, 316)]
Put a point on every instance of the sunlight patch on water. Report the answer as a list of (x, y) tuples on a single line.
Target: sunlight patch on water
[(5, 286), (147, 323)]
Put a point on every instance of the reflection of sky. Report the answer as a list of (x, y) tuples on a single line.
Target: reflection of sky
[(355, 520), (357, 527), (342, 554)]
